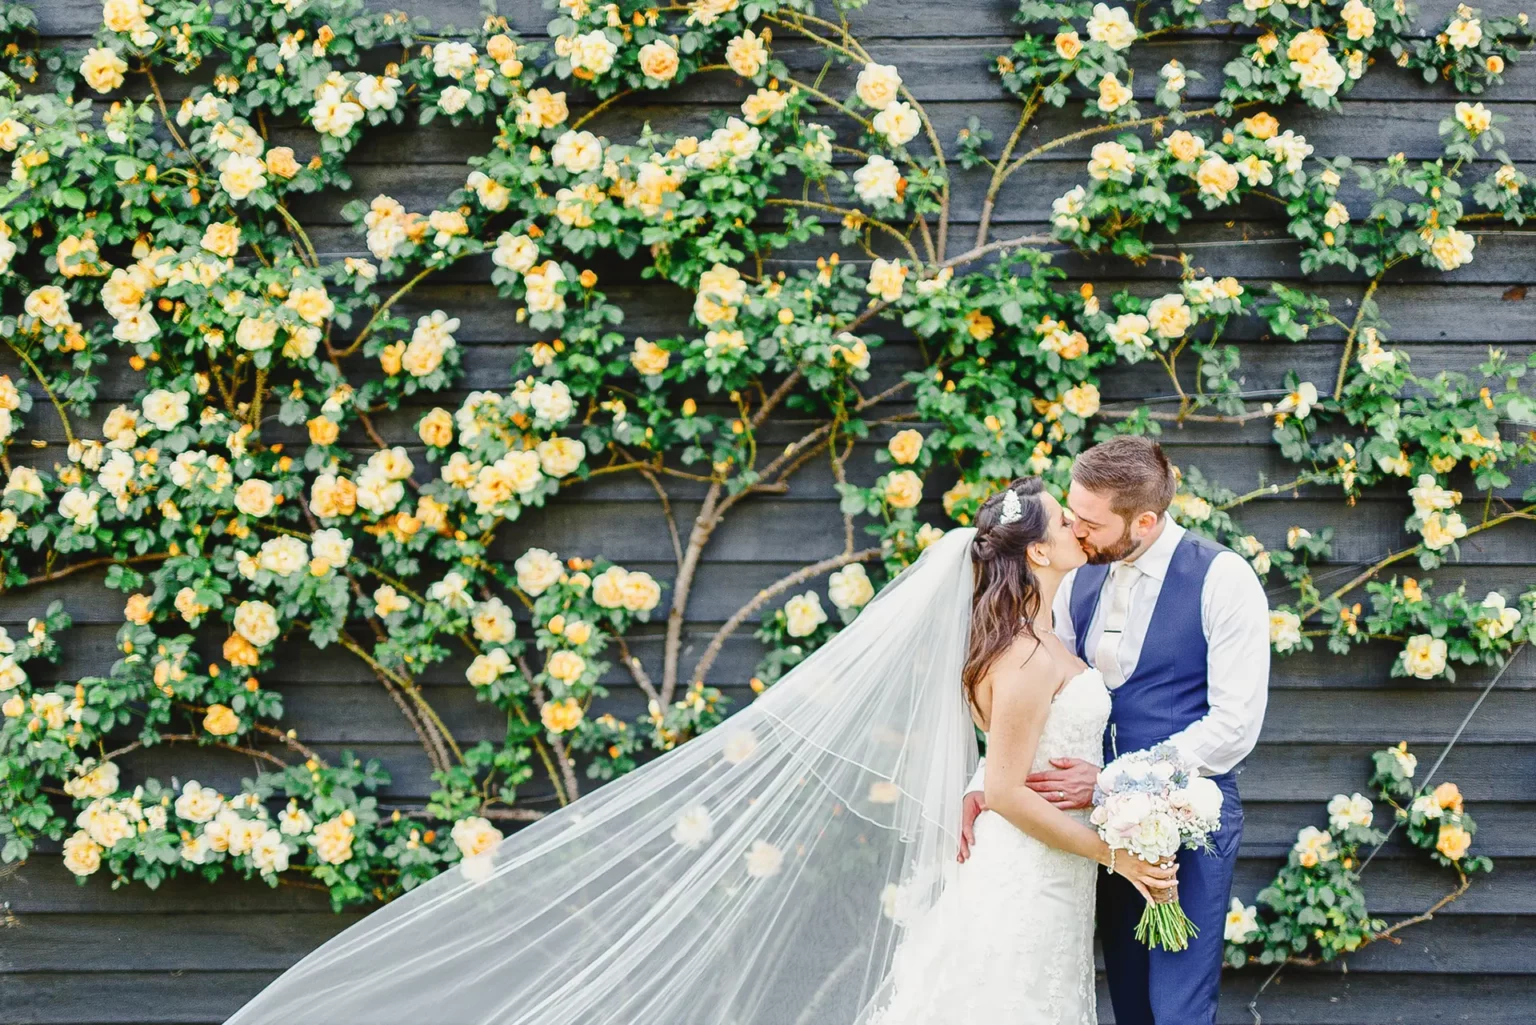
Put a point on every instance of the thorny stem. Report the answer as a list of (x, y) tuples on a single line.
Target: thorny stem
[(1349, 339), (766, 595), (42, 380)]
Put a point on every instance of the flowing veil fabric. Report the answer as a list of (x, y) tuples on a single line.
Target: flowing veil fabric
[(757, 875)]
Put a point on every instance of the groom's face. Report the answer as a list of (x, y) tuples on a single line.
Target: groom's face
[(1105, 535)]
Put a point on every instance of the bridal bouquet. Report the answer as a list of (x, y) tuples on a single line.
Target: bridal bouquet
[(1150, 804)]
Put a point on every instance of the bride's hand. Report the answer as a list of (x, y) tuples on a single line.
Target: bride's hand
[(1154, 882)]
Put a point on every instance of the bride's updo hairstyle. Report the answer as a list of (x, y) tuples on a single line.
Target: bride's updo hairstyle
[(1006, 597)]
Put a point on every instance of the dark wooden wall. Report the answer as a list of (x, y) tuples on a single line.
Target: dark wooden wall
[(191, 953)]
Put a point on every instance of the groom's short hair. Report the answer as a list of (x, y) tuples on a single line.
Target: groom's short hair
[(1132, 470)]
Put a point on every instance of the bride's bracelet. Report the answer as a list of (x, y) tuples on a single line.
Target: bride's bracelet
[(1110, 868)]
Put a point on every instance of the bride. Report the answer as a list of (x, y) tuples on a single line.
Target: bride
[(796, 865)]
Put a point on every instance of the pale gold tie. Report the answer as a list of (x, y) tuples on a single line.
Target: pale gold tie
[(1106, 654)]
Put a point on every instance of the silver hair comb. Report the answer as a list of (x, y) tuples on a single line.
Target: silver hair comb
[(1013, 509)]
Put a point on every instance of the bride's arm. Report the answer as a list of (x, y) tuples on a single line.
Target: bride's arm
[(1022, 690), (1023, 683)]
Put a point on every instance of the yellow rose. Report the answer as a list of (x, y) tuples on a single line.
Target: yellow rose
[(323, 431), (1261, 125), (543, 109), (1216, 178), (906, 446), (1112, 95), (903, 489), (1440, 530), (240, 652), (221, 720), (577, 632), (1068, 45), (1474, 117), (332, 840), (566, 666), (886, 278), (560, 457), (608, 588), (1186, 147), (332, 496), (436, 428), (281, 162), (138, 610), (11, 134), (649, 358), (1169, 316), (222, 238), (1359, 19), (561, 716), (1453, 841), (1448, 795), (103, 69), (658, 60), (1306, 46), (1190, 507), (746, 54), (1082, 401), (241, 175)]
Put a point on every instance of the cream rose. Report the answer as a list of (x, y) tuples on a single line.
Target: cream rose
[(256, 621), (1424, 656), (82, 855), (537, 571), (658, 61), (1284, 630), (850, 587), (255, 497), (878, 85), (475, 836), (803, 614)]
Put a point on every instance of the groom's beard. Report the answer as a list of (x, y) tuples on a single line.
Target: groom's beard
[(1113, 553)]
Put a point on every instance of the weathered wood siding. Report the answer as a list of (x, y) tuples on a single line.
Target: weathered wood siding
[(191, 953)]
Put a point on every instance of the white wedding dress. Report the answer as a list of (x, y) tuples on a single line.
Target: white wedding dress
[(1009, 941)]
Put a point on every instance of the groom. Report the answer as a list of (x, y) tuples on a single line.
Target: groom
[(1179, 627)]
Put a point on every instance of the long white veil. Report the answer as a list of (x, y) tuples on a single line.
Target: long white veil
[(754, 876)]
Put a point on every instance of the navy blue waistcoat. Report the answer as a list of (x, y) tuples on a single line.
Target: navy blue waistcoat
[(1168, 690)]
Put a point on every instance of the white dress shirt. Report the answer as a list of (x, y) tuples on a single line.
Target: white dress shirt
[(1234, 615)]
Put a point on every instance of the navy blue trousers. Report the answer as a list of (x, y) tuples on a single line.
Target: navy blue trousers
[(1160, 987)]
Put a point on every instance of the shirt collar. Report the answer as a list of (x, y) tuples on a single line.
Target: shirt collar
[(1154, 561)]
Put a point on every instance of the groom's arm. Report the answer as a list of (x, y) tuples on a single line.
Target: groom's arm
[(1235, 612)]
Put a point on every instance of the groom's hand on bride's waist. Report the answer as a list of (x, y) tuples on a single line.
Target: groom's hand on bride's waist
[(1068, 785), (971, 807)]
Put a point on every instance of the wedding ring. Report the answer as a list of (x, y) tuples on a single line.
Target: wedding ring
[(1061, 795)]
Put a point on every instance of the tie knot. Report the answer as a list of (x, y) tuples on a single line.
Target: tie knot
[(1124, 573)]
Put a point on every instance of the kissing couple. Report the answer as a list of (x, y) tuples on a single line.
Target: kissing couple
[(819, 858)]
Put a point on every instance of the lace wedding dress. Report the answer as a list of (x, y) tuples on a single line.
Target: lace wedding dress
[(1010, 939)]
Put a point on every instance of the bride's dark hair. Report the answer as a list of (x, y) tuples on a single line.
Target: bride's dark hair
[(1006, 597)]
